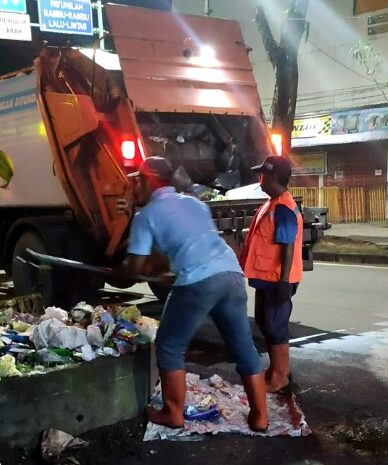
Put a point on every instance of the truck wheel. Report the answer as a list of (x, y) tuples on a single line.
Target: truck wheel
[(160, 292), (61, 288), (27, 279)]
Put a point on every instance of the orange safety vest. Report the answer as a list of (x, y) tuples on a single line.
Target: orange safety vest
[(261, 256)]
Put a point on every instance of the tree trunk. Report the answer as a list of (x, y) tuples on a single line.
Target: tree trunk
[(284, 59)]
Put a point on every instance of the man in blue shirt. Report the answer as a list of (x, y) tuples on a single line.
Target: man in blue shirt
[(209, 282)]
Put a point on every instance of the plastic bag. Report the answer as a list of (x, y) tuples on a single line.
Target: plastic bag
[(147, 327), (53, 333), (8, 367), (55, 312), (131, 313), (94, 336), (87, 353), (49, 356), (20, 326)]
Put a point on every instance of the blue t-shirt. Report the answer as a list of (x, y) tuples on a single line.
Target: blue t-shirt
[(182, 228), (286, 225), (286, 229)]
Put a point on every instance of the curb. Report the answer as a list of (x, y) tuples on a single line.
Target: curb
[(351, 258)]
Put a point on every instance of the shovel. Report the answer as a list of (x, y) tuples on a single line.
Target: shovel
[(38, 259)]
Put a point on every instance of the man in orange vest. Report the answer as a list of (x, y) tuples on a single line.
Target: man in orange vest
[(272, 262)]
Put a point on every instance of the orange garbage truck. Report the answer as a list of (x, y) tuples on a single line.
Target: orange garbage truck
[(76, 122)]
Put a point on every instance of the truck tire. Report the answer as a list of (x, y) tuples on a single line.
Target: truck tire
[(27, 280), (62, 288), (160, 292)]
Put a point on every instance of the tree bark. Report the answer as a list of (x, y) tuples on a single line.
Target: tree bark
[(283, 56)]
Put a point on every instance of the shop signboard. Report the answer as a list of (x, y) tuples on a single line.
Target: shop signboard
[(359, 121), (309, 163), (311, 127)]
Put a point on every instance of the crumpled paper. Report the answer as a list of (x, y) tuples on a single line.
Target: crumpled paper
[(54, 442), (285, 416)]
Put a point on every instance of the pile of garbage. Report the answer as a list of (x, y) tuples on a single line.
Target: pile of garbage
[(214, 405), (32, 345)]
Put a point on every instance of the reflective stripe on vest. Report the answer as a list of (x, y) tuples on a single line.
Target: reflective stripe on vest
[(261, 256)]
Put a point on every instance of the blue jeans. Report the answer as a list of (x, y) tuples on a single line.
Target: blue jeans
[(222, 297)]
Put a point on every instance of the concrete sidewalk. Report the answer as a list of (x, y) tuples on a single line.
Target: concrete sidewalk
[(365, 243), (376, 233)]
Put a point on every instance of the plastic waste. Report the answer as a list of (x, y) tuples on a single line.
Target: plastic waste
[(8, 366), (192, 413), (148, 327), (87, 353), (94, 336), (48, 356), (54, 333), (16, 337), (54, 442), (131, 313), (82, 314), (55, 312), (20, 326)]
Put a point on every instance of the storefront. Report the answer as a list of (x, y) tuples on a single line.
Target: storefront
[(346, 150)]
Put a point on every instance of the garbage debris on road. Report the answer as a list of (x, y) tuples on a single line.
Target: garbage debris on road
[(215, 406), (32, 345), (54, 442)]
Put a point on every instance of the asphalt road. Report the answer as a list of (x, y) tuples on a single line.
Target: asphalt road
[(339, 352), (343, 297), (333, 297)]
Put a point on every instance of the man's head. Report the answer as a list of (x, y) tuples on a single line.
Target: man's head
[(274, 175), (156, 172)]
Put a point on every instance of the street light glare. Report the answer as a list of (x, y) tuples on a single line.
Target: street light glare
[(207, 52)]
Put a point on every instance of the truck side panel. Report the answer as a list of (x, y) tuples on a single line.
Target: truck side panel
[(23, 138)]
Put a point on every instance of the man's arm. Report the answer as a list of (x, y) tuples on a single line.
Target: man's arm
[(287, 254), (131, 267), (139, 249)]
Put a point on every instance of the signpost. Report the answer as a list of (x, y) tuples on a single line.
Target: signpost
[(15, 26), (66, 16)]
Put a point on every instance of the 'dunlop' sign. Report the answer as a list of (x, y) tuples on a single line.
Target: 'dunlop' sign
[(66, 16)]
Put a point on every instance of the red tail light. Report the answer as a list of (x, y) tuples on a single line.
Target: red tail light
[(128, 149), (132, 151)]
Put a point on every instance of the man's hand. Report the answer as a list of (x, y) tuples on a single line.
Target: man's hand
[(282, 292), (167, 279)]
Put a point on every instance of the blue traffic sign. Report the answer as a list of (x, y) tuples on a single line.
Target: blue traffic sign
[(13, 6), (65, 16)]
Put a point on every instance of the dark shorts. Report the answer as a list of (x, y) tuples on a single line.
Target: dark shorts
[(272, 319)]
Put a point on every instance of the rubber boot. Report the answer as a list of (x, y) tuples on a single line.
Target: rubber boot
[(280, 361), (173, 385), (257, 398)]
